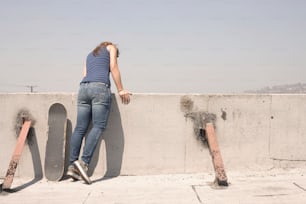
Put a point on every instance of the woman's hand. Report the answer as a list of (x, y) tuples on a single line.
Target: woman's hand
[(125, 96)]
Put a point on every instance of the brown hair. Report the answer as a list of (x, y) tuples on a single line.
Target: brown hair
[(103, 44)]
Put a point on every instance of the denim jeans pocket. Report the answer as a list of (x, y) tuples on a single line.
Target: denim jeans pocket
[(100, 94)]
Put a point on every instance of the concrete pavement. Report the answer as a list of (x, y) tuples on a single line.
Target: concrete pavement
[(274, 186)]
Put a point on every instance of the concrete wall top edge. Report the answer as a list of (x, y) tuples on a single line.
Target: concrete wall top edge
[(40, 93), (165, 94)]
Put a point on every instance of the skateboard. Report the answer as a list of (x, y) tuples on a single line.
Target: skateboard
[(8, 180), (55, 148)]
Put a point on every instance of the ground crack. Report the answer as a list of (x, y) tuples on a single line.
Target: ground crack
[(86, 197), (297, 185), (195, 191)]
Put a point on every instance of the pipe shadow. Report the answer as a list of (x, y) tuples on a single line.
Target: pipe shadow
[(36, 160)]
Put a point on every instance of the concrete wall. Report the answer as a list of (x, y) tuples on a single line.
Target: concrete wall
[(155, 134)]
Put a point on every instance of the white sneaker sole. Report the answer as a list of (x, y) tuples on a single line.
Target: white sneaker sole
[(82, 172)]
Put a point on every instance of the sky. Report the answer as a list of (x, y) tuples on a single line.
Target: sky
[(166, 46)]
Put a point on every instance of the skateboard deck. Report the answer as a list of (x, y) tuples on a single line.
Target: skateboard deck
[(55, 148), (8, 180)]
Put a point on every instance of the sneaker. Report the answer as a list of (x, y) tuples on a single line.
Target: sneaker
[(82, 169), (73, 173)]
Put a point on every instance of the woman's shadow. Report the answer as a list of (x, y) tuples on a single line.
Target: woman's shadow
[(113, 138)]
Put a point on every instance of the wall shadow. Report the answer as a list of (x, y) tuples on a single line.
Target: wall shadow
[(67, 147), (113, 138), (36, 160)]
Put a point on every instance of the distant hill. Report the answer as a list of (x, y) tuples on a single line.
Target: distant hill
[(288, 88)]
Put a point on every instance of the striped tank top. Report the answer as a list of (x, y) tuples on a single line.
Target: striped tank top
[(97, 67)]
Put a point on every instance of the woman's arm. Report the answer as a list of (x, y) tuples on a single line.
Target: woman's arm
[(114, 69)]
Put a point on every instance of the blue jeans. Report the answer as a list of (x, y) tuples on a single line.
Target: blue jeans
[(94, 101)]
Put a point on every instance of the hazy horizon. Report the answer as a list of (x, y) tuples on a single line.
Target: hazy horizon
[(166, 46)]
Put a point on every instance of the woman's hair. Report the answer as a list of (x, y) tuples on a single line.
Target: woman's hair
[(103, 44)]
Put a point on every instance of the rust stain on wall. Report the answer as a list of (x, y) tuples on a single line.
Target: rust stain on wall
[(199, 118)]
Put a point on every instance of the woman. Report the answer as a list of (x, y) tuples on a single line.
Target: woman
[(94, 101)]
